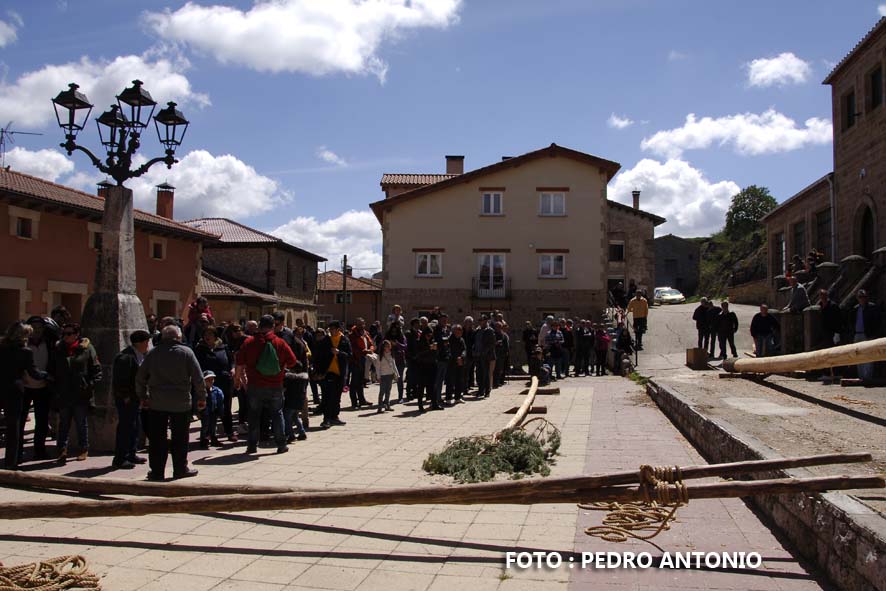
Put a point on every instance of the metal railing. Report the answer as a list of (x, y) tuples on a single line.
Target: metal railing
[(486, 288)]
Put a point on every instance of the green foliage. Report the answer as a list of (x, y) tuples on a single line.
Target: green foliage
[(638, 379), (479, 459), (747, 209)]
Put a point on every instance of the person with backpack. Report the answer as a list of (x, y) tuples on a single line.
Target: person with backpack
[(263, 360)]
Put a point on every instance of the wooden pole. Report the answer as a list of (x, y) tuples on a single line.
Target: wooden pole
[(539, 491), (176, 489), (520, 416), (852, 354), (113, 486)]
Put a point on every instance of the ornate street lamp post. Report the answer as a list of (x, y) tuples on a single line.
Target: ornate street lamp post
[(114, 310)]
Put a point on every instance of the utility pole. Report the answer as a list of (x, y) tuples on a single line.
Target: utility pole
[(344, 292)]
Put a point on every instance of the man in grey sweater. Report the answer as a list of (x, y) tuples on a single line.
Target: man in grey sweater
[(164, 383)]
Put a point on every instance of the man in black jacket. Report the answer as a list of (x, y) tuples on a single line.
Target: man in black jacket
[(486, 357), (713, 320), (126, 366), (727, 326), (331, 362), (864, 323), (700, 316), (764, 326)]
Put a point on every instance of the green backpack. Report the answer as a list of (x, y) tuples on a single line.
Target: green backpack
[(268, 363)]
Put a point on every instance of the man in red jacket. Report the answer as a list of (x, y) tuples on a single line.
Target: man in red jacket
[(261, 365)]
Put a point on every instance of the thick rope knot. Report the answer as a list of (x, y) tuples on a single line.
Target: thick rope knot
[(653, 514), (62, 573)]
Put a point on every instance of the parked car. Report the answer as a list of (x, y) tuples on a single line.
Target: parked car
[(668, 295)]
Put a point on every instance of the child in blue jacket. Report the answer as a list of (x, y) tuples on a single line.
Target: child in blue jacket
[(212, 414)]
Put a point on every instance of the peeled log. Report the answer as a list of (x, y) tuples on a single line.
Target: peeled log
[(852, 354)]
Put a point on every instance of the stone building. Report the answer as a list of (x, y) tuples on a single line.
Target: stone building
[(677, 263), (363, 297), (52, 238), (530, 235), (843, 213), (259, 264)]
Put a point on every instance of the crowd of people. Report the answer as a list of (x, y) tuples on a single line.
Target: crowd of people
[(862, 322), (181, 370)]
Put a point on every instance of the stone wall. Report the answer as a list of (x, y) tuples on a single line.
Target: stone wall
[(248, 265), (638, 234), (752, 292), (677, 263), (843, 537)]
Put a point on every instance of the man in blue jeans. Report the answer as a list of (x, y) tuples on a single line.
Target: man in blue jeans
[(261, 365)]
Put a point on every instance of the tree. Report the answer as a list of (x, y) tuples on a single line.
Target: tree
[(747, 209)]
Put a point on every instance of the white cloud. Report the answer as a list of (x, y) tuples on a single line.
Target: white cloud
[(675, 56), (26, 101), (46, 164), (747, 133), (785, 68), (327, 155), (618, 122), (9, 28), (354, 233), (882, 9), (692, 205), (305, 36), (210, 186)]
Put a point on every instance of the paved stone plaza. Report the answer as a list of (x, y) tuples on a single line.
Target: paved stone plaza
[(608, 424)]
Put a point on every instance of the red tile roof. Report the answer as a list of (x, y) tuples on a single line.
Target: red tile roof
[(879, 27), (332, 281), (211, 285), (234, 233), (390, 178), (31, 187)]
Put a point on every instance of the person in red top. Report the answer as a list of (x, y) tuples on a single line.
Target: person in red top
[(361, 345), (261, 366)]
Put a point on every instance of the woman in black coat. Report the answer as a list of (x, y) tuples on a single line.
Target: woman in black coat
[(16, 360), (76, 371), (215, 356)]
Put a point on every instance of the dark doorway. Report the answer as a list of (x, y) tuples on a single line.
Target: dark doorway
[(866, 234)]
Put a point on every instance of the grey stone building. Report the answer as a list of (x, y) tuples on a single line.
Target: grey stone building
[(263, 264), (676, 263)]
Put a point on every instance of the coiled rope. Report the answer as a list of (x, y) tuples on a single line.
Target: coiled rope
[(70, 573), (654, 514)]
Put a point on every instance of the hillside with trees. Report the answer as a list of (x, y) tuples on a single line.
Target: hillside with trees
[(739, 249)]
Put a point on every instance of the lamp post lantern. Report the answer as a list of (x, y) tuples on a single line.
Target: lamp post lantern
[(114, 310)]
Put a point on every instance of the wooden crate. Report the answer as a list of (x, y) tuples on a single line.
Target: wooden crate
[(696, 358)]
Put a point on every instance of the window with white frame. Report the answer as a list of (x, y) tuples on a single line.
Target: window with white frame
[(95, 235), (157, 248), (552, 265), (428, 264), (552, 204), (492, 204)]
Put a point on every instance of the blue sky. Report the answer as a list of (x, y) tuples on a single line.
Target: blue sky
[(298, 106)]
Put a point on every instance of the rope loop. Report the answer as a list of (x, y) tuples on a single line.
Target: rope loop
[(62, 573)]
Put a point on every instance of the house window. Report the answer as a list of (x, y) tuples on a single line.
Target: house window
[(96, 240), (617, 251), (304, 278), (552, 204), (492, 204), (847, 108), (552, 265), (157, 248), (800, 239), (491, 275), (23, 222), (875, 88), (344, 298), (24, 228), (823, 232), (289, 274), (779, 254), (428, 264)]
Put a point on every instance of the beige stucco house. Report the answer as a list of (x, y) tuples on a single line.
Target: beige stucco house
[(530, 235)]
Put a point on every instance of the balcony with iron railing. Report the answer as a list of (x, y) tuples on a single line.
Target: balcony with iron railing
[(486, 288)]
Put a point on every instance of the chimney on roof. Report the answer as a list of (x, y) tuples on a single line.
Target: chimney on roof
[(455, 164), (349, 271), (636, 194), (103, 188), (165, 200)]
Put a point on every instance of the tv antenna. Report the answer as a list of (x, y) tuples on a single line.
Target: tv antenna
[(6, 134)]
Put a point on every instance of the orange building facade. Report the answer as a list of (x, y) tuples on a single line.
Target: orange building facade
[(50, 238)]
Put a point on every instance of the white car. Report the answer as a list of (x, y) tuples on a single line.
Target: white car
[(668, 295)]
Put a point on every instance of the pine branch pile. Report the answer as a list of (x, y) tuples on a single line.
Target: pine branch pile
[(480, 459)]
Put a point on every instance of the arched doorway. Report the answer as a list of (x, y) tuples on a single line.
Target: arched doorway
[(866, 231)]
